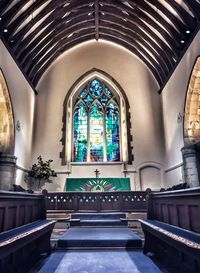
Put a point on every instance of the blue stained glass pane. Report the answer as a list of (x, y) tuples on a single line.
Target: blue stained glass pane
[(108, 92), (112, 132), (83, 93), (96, 133), (96, 88), (80, 133), (88, 100), (104, 100)]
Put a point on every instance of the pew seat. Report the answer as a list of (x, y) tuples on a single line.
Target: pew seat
[(183, 240), (21, 247)]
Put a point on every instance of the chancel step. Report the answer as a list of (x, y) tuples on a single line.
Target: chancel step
[(96, 237), (98, 216), (98, 220)]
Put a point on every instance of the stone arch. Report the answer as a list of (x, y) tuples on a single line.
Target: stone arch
[(6, 119), (192, 107)]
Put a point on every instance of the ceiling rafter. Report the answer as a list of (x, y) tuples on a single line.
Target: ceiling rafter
[(55, 39), (56, 27), (41, 70), (109, 34), (148, 20), (141, 26), (41, 30), (66, 30), (142, 36), (145, 7)]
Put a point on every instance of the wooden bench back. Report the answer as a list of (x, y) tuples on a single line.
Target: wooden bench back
[(17, 209), (179, 208)]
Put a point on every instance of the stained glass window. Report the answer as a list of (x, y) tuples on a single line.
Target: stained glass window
[(96, 124), (112, 132), (80, 133)]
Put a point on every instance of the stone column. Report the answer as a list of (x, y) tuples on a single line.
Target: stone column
[(7, 171), (190, 170)]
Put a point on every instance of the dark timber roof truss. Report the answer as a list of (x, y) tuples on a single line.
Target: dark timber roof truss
[(36, 32)]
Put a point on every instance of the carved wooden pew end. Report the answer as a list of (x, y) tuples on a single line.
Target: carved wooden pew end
[(25, 232), (172, 231)]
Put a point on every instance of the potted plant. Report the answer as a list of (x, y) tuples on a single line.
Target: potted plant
[(39, 174)]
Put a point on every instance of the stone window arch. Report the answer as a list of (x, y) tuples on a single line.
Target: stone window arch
[(96, 121)]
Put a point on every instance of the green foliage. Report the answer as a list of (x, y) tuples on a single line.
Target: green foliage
[(42, 170)]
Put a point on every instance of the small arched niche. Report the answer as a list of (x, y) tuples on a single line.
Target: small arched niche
[(6, 119), (150, 177), (192, 107)]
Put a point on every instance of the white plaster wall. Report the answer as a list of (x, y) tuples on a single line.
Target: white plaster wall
[(23, 99), (141, 90), (173, 99)]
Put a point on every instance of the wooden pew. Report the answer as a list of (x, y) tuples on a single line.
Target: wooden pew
[(172, 228), (24, 231)]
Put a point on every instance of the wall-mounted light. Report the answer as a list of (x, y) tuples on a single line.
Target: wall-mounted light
[(18, 126), (179, 117)]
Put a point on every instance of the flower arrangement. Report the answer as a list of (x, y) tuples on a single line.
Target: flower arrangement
[(40, 173)]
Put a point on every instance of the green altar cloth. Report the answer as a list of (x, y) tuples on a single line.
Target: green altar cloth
[(98, 184)]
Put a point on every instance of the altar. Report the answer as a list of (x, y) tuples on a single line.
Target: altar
[(98, 184)]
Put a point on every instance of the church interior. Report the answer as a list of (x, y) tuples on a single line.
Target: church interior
[(99, 136)]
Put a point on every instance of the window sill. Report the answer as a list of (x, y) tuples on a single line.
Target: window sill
[(96, 163)]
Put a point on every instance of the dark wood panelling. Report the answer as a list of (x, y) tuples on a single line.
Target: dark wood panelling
[(179, 208), (17, 209)]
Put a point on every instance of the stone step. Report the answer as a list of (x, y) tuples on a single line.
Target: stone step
[(97, 223)]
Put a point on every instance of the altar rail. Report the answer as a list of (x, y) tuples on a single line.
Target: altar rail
[(97, 201)]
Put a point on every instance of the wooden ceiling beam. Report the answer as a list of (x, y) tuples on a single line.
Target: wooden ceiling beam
[(117, 40), (57, 45), (133, 36), (12, 27), (138, 48), (58, 49), (97, 19), (4, 4), (41, 70), (151, 62), (187, 19), (51, 39), (194, 7), (145, 7), (171, 41), (73, 5), (30, 42), (50, 9), (138, 25)]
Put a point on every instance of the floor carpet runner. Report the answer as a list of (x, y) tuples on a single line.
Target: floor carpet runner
[(95, 237), (84, 249), (101, 261)]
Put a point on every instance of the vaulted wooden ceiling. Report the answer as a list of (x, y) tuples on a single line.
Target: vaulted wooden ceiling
[(157, 31)]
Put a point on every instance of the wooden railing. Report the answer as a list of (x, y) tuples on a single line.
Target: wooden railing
[(97, 201)]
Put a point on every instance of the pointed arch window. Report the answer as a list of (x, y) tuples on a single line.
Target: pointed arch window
[(96, 121)]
